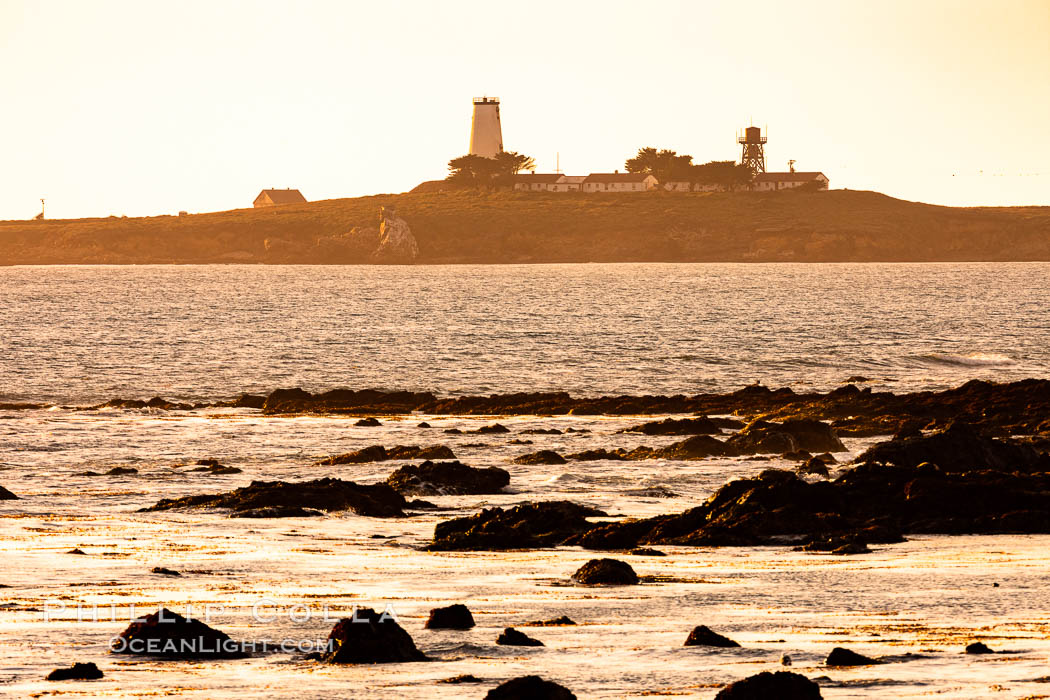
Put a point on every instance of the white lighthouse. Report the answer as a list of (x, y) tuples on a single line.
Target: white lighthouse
[(486, 136)]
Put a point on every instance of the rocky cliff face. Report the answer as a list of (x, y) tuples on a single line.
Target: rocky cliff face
[(396, 242)]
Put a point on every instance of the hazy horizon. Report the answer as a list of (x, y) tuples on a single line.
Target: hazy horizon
[(118, 108)]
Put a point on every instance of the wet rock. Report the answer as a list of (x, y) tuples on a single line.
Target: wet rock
[(844, 657), (217, 469), (420, 504), (541, 431), (782, 685), (447, 478), (493, 429), (978, 648), (76, 672), (837, 544), (959, 448), (876, 502), (454, 617), (797, 455), (764, 437), (514, 638), (453, 431), (595, 455), (164, 572), (344, 401), (541, 457), (121, 471), (814, 467), (530, 688), (378, 453), (374, 500), (676, 426), (368, 423), (6, 495), (526, 526), (607, 572), (277, 512), (170, 635), (248, 401), (647, 552), (76, 550), (464, 678), (518, 441), (423, 424), (563, 621), (703, 636), (370, 638)]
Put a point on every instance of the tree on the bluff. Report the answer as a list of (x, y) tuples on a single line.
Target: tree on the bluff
[(665, 165), (478, 171), (726, 174)]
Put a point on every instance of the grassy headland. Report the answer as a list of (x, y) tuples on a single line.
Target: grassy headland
[(518, 227)]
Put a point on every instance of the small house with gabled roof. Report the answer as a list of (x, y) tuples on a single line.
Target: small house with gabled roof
[(272, 198)]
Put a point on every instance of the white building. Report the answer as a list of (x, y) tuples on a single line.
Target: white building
[(569, 183), (619, 182), (765, 182), (537, 182)]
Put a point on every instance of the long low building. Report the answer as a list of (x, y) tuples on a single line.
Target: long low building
[(595, 182), (765, 182)]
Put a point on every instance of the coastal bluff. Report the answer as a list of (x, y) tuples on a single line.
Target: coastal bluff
[(522, 227)]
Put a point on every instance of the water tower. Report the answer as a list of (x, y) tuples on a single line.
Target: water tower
[(754, 153), (486, 136)]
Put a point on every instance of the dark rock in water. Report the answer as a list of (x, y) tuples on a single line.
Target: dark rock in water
[(121, 471), (514, 638), (164, 572), (541, 431), (845, 657), (606, 571), (453, 617), (76, 672), (378, 453), (453, 431), (368, 423), (217, 469), (877, 503), (595, 455), (493, 429), (6, 495), (826, 458), (278, 512), (170, 635), (696, 447), (526, 526), (782, 685), (703, 636), (464, 678), (518, 441), (345, 401), (673, 426), (447, 478), (789, 436), (578, 430), (375, 500), (815, 466), (423, 424), (248, 401), (978, 648), (959, 448), (647, 552), (563, 621), (530, 688), (837, 544), (76, 550), (541, 457), (370, 638), (797, 455), (420, 504)]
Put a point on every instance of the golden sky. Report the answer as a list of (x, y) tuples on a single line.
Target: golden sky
[(145, 107)]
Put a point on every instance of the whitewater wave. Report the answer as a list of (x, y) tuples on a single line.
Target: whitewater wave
[(977, 359)]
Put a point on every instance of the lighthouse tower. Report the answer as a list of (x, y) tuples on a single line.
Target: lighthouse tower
[(486, 136)]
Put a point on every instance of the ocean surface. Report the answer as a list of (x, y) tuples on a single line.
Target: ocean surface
[(81, 335), (86, 334)]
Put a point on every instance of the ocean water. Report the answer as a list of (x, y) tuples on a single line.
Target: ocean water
[(80, 335), (85, 334)]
